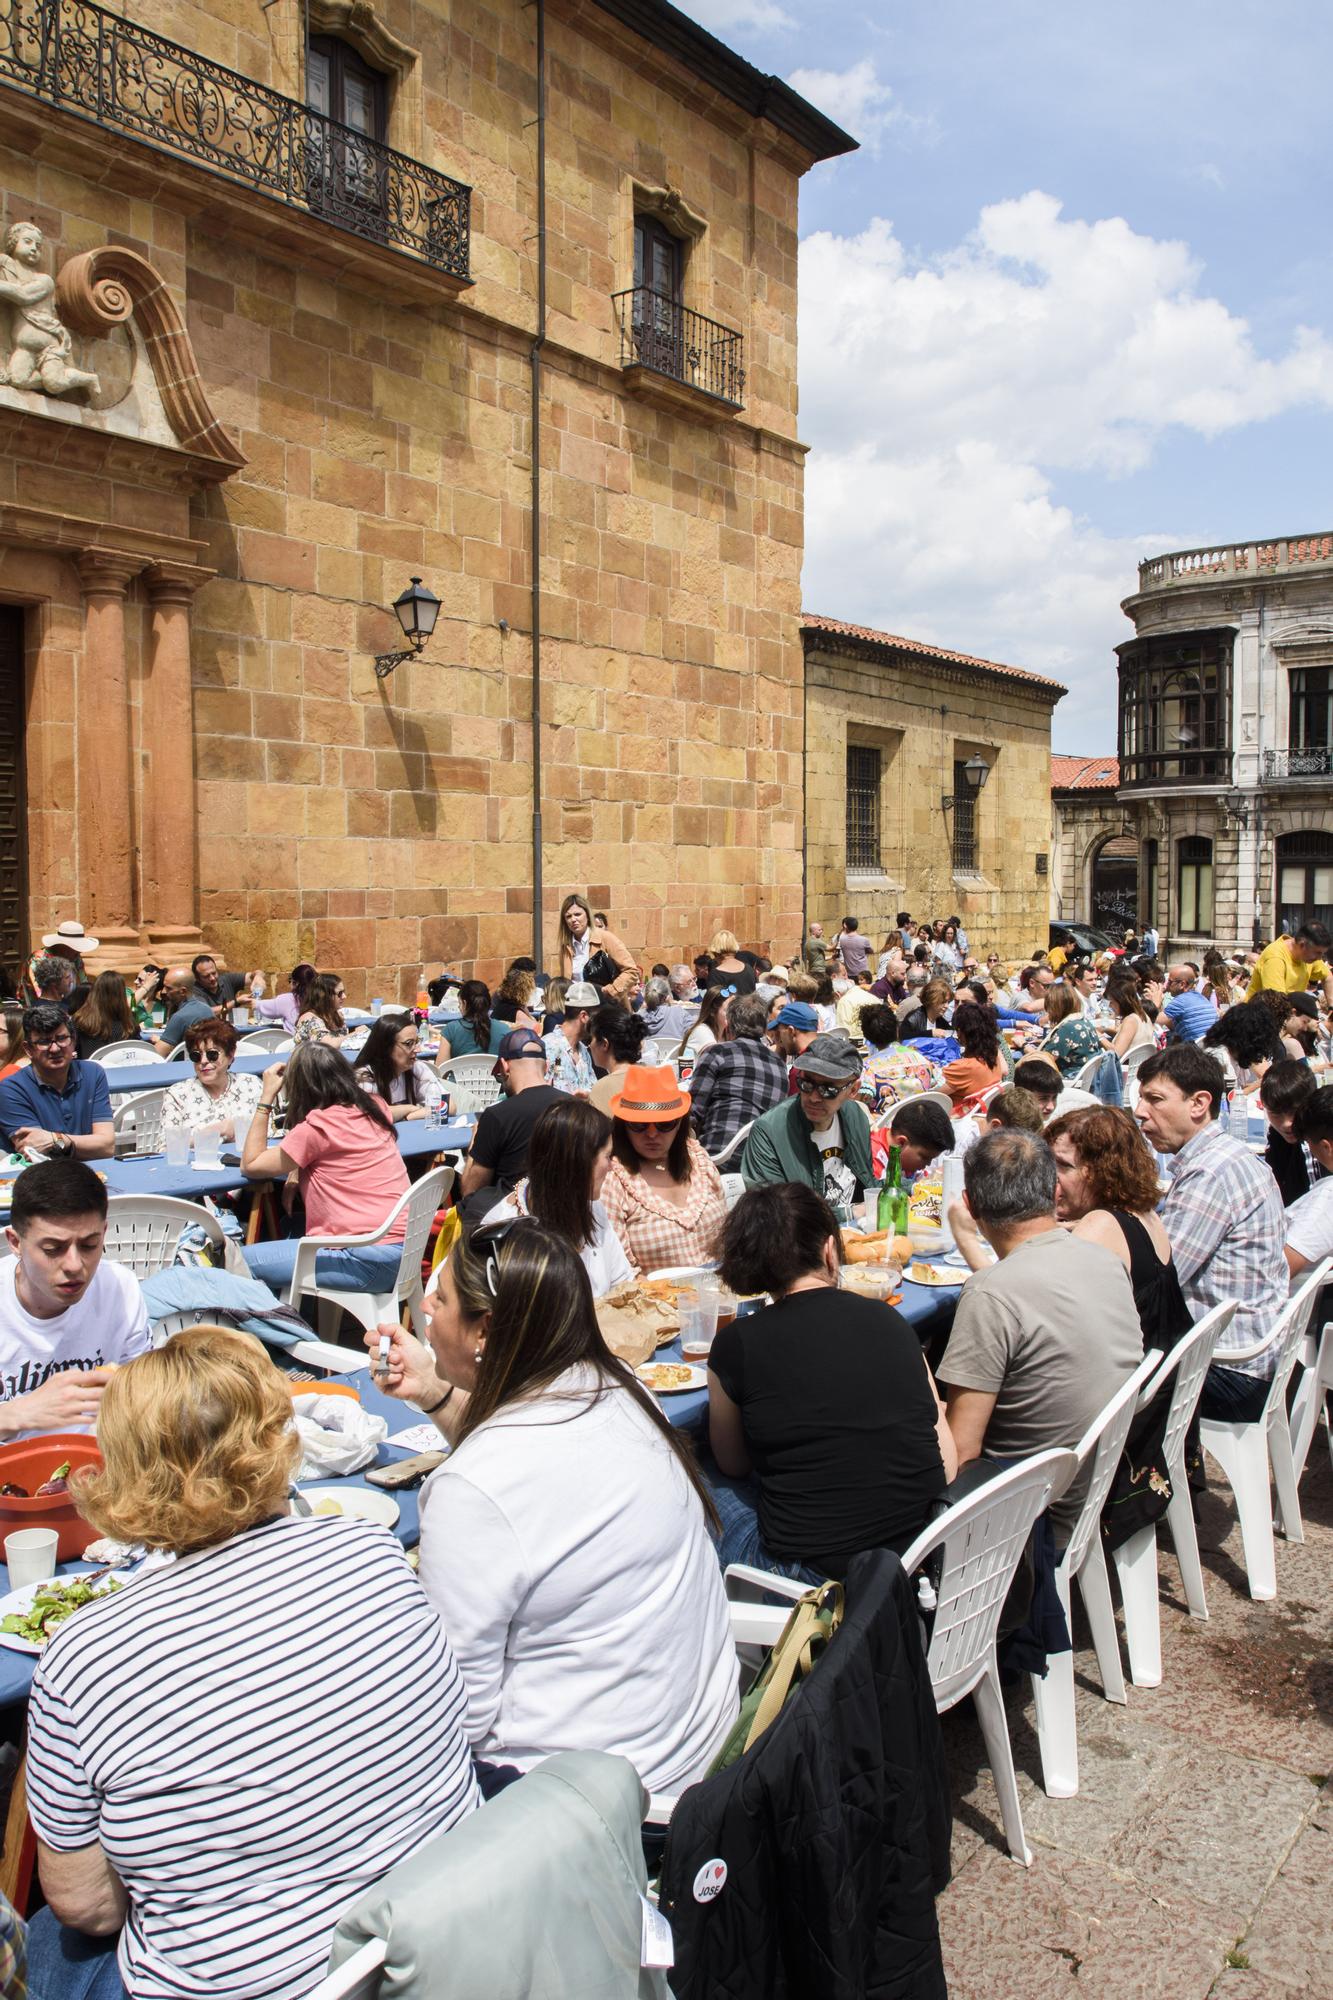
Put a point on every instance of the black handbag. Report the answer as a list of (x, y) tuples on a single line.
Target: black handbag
[(601, 969)]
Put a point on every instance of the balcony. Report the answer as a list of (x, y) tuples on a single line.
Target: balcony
[(125, 80), (677, 356), (1294, 766), (1251, 562)]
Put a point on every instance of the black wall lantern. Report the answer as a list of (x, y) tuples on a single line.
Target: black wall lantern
[(976, 771), (416, 611)]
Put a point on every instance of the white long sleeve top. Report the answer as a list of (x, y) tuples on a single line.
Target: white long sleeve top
[(569, 1559)]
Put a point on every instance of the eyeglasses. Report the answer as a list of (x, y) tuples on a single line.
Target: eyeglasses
[(207, 1055), (55, 1041), (810, 1086)]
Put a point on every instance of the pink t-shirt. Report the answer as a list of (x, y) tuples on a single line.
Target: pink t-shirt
[(352, 1172)]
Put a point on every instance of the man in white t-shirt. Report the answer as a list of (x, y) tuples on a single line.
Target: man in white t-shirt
[(66, 1316), (1310, 1218)]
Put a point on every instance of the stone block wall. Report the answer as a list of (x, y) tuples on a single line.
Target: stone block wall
[(896, 702), (374, 827)]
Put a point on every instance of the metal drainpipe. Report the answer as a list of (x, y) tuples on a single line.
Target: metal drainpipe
[(1257, 925), (535, 373)]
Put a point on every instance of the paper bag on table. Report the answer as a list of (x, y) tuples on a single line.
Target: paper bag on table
[(634, 1324)]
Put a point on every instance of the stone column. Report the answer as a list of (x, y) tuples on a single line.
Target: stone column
[(171, 892), (106, 829)]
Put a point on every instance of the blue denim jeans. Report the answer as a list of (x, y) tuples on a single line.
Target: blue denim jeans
[(737, 1502), (371, 1270), (66, 1965), (1232, 1397)]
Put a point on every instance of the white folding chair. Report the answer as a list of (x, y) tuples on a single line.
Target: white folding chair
[(368, 1308), (983, 1538), (470, 1082), (1246, 1451), (1083, 1560), (357, 1978), (1136, 1560), (733, 1145), (124, 1055), (140, 1119), (265, 1041), (1309, 1402), (143, 1230)]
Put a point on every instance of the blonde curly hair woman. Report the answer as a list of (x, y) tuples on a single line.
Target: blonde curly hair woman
[(181, 1801)]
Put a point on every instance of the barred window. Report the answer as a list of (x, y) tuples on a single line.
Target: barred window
[(964, 821), (863, 769)]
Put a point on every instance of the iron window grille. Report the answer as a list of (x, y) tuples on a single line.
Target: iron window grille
[(125, 79), (963, 821), (863, 775)]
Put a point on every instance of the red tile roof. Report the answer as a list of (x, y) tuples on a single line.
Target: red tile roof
[(1084, 774), (812, 622)]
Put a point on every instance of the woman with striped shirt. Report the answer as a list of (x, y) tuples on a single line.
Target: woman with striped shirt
[(180, 1797)]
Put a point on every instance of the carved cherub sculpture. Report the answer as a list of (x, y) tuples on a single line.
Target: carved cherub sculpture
[(39, 348)]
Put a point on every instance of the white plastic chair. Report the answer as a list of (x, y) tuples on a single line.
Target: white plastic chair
[(140, 1117), (369, 1308), (983, 1538), (1084, 1560), (143, 1230), (357, 1978), (267, 1040), (311, 1353), (940, 1097), (733, 1145), (470, 1082), (1308, 1403), (1136, 1560), (1082, 1079), (1246, 1451), (124, 1055)]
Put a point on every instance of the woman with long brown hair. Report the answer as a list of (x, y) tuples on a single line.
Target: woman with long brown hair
[(585, 943), (321, 1018), (568, 1157), (565, 1540), (105, 1016)]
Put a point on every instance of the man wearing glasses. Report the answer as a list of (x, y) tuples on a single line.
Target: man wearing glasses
[(59, 1107), (821, 1135)]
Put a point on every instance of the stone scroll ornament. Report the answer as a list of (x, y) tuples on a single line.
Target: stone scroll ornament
[(38, 352), (100, 290)]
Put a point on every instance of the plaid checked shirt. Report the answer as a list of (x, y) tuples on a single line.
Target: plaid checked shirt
[(732, 1083), (1226, 1222)]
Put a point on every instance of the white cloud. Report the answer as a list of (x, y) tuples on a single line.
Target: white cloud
[(945, 396), (738, 16), (856, 99)]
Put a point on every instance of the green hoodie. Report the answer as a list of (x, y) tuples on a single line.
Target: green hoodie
[(782, 1147)]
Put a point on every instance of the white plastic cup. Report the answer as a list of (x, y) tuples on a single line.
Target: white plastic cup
[(176, 1145), (698, 1317), (208, 1147), (30, 1555), (377, 1008), (240, 1015)]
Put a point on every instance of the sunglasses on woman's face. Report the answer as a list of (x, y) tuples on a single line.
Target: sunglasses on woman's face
[(208, 1055)]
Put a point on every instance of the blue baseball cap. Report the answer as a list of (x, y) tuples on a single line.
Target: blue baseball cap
[(796, 1014)]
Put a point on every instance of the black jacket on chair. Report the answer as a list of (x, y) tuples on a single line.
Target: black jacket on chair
[(834, 1828)]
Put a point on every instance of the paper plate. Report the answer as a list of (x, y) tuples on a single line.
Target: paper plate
[(355, 1503)]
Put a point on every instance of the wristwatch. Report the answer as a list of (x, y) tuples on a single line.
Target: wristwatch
[(64, 1146)]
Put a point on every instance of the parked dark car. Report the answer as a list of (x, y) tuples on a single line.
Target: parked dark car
[(1088, 941)]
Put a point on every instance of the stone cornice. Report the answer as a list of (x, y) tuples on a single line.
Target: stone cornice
[(72, 534)]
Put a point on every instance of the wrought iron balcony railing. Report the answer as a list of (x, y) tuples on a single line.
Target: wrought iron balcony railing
[(1298, 763), (657, 333), (127, 80)]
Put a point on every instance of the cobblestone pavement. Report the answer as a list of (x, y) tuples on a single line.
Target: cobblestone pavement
[(1196, 1862)]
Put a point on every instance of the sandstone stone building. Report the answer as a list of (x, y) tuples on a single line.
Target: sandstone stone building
[(1225, 771), (891, 725), (332, 278), (1094, 852)]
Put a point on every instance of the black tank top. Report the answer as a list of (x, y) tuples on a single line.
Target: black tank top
[(1164, 1313)]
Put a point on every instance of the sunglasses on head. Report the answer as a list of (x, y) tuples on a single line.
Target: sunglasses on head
[(489, 1238)]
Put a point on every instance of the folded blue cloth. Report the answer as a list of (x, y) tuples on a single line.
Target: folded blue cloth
[(243, 1302)]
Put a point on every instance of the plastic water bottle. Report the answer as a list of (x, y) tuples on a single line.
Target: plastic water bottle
[(377, 1008), (433, 1099), (1238, 1116), (258, 986)]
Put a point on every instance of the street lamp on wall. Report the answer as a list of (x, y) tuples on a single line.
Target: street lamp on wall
[(975, 772), (416, 611)]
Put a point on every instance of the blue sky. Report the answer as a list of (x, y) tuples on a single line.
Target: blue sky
[(1071, 304)]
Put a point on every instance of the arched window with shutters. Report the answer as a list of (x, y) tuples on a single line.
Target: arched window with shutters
[(1304, 867), (1194, 886)]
